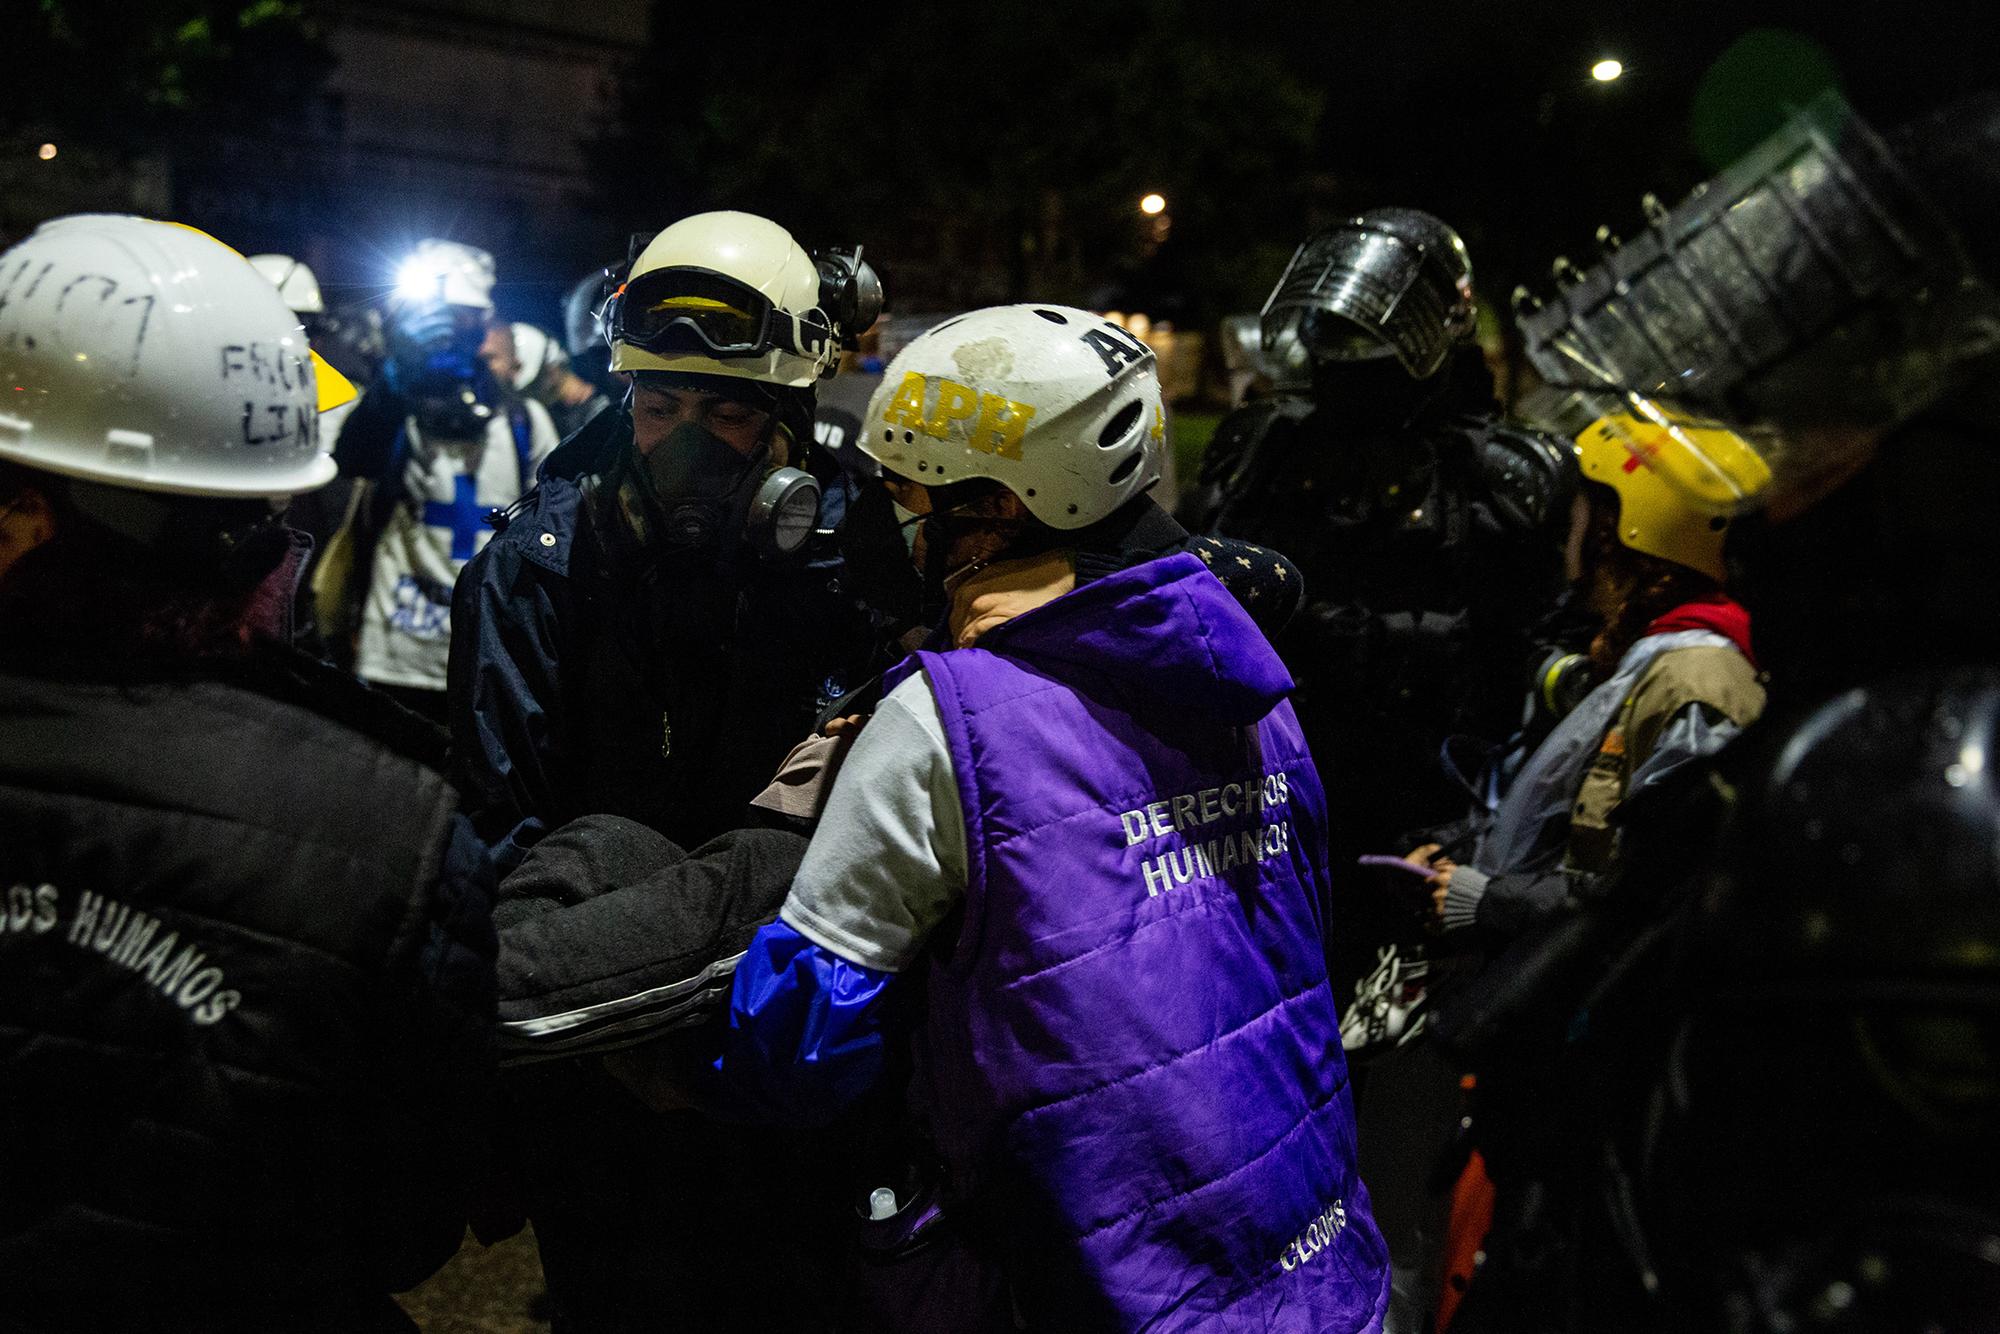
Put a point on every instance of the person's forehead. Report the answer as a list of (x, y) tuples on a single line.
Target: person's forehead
[(680, 393)]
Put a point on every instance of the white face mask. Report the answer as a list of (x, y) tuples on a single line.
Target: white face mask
[(906, 524)]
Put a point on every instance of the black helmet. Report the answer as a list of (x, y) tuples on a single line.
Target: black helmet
[(1388, 282), (1826, 1122)]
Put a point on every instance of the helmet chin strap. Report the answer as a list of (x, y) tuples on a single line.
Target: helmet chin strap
[(178, 522)]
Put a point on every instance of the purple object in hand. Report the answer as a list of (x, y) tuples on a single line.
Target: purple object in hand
[(1398, 863)]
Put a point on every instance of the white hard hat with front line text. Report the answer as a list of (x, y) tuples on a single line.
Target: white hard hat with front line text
[(149, 355)]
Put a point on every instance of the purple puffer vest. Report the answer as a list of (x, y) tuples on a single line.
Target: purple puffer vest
[(1131, 1058)]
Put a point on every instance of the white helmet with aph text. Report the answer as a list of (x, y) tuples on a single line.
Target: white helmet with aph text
[(149, 355), (724, 294), (1060, 406)]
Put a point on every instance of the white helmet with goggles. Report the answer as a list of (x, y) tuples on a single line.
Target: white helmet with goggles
[(733, 294), (1060, 406)]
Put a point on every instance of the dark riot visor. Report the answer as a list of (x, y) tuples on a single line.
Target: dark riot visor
[(704, 313)]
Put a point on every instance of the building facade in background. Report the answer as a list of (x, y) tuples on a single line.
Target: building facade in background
[(458, 118)]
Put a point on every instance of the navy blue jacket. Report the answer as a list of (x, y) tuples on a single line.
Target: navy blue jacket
[(662, 688)]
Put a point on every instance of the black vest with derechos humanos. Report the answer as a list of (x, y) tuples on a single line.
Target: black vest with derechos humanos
[(219, 1048)]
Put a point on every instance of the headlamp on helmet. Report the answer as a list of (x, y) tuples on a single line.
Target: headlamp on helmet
[(447, 273)]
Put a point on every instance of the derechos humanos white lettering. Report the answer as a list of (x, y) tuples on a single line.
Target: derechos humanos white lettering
[(128, 938), (1252, 799)]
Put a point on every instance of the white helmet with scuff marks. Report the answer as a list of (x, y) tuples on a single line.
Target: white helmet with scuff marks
[(1060, 406)]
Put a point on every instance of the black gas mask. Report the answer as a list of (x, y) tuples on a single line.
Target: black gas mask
[(1373, 393), (699, 491), (434, 361)]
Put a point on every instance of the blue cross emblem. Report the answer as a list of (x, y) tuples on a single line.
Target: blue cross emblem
[(463, 516)]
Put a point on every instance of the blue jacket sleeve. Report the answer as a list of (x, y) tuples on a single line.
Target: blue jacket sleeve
[(805, 1029), (506, 700)]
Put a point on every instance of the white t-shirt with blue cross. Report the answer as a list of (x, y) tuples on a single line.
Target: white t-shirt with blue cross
[(441, 524)]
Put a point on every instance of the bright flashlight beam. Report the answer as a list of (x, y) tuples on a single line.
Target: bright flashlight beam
[(1604, 71), (416, 280), (1152, 204)]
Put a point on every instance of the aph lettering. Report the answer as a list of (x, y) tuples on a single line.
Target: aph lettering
[(997, 422), (1116, 348)]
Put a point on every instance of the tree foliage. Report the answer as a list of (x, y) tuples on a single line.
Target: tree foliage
[(983, 153), (122, 75)]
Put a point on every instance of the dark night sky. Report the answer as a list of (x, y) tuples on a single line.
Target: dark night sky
[(1481, 112), (1490, 118)]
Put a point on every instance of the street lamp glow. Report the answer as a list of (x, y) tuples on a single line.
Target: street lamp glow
[(1153, 204), (1604, 71), (45, 152)]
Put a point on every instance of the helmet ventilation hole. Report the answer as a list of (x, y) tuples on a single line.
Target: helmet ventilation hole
[(1125, 468), (1119, 426), (909, 437), (1053, 316), (888, 436), (1031, 491)]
